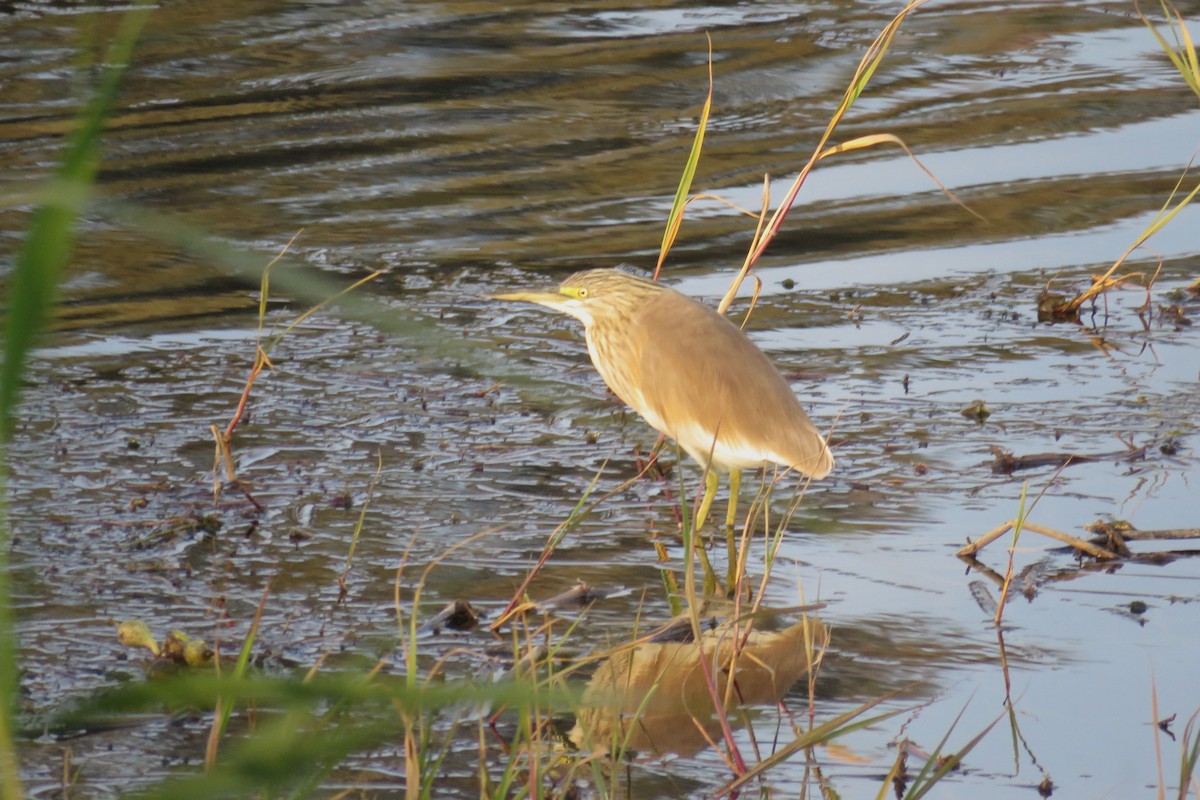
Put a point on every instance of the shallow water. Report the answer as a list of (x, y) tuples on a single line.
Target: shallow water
[(473, 148)]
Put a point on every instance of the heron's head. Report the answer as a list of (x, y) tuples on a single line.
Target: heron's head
[(604, 296)]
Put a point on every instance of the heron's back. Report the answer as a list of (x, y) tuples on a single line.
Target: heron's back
[(694, 376)]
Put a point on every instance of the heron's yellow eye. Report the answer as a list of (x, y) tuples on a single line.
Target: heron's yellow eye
[(581, 292)]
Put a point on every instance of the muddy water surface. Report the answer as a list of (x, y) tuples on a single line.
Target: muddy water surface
[(471, 148)]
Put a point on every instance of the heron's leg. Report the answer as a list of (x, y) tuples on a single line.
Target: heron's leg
[(710, 577), (710, 491), (735, 485)]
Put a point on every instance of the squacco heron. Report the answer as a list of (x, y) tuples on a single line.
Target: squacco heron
[(693, 375)]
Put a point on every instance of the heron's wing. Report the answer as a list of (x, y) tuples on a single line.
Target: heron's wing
[(702, 378)]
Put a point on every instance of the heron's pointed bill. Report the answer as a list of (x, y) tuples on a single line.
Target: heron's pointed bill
[(554, 300)]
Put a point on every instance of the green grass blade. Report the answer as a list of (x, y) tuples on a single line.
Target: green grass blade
[(1183, 52), (937, 767), (47, 246), (1189, 755), (827, 731), (33, 287), (675, 218)]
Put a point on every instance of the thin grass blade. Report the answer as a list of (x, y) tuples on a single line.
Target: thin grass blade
[(927, 779), (33, 286), (675, 218), (831, 729)]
